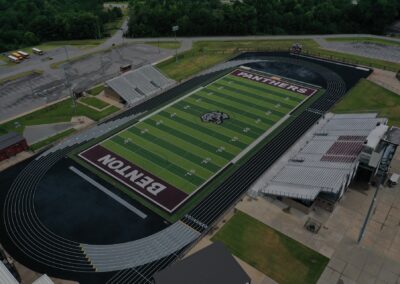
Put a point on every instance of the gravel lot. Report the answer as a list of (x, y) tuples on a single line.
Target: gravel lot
[(373, 50)]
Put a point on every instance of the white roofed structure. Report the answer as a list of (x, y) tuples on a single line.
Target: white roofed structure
[(328, 161), (138, 85), (5, 275)]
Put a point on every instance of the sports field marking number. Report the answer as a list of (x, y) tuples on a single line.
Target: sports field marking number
[(144, 131), (234, 139), (186, 107), (190, 173), (268, 113), (173, 115), (247, 129), (206, 160), (221, 149), (159, 122)]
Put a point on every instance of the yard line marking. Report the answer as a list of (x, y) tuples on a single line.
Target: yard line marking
[(109, 193)]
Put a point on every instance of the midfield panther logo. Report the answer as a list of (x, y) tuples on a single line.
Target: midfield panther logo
[(216, 117)]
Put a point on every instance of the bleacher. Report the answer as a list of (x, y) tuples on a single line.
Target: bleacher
[(138, 85)]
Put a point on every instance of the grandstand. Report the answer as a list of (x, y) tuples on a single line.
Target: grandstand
[(138, 85), (327, 162)]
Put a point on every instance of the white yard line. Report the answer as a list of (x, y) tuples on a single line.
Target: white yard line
[(109, 193), (259, 139), (170, 104)]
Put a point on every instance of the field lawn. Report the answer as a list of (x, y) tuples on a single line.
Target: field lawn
[(165, 44), (190, 63), (95, 90), (205, 54), (365, 40), (278, 256), (59, 112), (367, 96), (99, 104)]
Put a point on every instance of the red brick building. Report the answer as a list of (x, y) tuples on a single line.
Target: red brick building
[(11, 144)]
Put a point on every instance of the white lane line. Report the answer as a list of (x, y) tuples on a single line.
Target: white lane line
[(109, 193)]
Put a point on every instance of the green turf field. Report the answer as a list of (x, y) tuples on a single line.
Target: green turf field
[(175, 145)]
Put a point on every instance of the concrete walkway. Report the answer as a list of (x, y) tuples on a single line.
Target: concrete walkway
[(386, 79), (36, 133)]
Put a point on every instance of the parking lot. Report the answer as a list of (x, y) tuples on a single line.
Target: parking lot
[(34, 91)]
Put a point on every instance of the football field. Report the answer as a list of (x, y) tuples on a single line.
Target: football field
[(169, 155)]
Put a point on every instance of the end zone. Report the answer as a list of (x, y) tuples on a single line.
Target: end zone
[(151, 187)]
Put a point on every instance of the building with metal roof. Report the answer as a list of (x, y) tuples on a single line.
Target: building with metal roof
[(211, 265), (5, 275), (134, 87), (11, 144), (328, 161)]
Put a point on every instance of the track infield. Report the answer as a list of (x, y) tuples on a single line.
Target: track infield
[(171, 154)]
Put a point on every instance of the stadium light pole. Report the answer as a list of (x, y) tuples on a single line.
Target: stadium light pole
[(67, 80), (175, 29)]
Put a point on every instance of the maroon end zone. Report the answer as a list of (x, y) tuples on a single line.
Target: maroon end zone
[(153, 188), (281, 83)]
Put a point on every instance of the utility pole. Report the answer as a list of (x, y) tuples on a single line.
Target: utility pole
[(379, 176), (67, 82), (175, 29)]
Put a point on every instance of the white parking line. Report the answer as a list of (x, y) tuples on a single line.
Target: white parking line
[(109, 193)]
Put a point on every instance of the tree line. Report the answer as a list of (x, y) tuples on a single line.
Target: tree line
[(151, 18), (30, 22)]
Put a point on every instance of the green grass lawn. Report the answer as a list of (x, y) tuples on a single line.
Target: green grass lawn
[(96, 90), (165, 44), (95, 102), (205, 54), (59, 112), (278, 256), (365, 40), (367, 96)]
